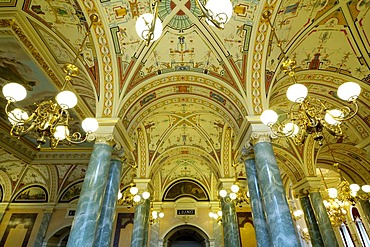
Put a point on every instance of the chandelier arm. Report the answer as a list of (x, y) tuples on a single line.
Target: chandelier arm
[(347, 111), (208, 14), (148, 35)]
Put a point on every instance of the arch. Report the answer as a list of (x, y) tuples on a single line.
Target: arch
[(186, 233), (33, 193), (185, 188), (59, 237)]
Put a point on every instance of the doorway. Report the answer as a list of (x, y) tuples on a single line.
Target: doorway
[(186, 236)]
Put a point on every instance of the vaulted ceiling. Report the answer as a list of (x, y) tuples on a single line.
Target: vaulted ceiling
[(183, 99)]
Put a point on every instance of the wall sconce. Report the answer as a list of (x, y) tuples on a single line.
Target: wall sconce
[(217, 217), (155, 216), (131, 196), (50, 120)]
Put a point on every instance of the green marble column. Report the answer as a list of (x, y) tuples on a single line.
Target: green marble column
[(323, 221), (141, 220), (230, 223), (42, 230), (103, 236), (366, 208), (259, 220), (89, 205), (311, 222), (278, 217)]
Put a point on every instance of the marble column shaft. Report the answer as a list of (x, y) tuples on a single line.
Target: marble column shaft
[(89, 205), (366, 209), (278, 217), (311, 222), (141, 219), (103, 236), (230, 223), (259, 220), (323, 221), (154, 235), (42, 230)]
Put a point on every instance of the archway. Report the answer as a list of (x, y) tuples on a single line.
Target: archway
[(59, 238), (186, 236)]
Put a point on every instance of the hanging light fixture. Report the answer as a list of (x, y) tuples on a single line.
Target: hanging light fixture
[(217, 13), (308, 115), (50, 120)]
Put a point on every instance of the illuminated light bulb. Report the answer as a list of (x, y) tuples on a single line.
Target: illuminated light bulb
[(17, 116), (234, 188), (349, 91), (66, 99), (61, 132), (119, 195), (297, 93), (269, 117), (219, 213), (137, 198), (14, 92), (290, 129), (366, 188), (331, 115), (223, 193), (155, 214), (210, 214), (333, 193), (161, 215), (146, 195), (354, 187), (134, 190), (232, 196), (90, 125), (222, 10)]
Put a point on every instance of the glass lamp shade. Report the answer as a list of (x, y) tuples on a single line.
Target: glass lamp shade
[(134, 190), (143, 25), (222, 10), (269, 117), (137, 198), (290, 129), (219, 213), (232, 196), (331, 115), (14, 92), (146, 195), (17, 116), (366, 188), (154, 214), (355, 187), (210, 214), (223, 193), (333, 193), (90, 125), (297, 93), (298, 213), (61, 132), (66, 99), (349, 91), (234, 188), (119, 195)]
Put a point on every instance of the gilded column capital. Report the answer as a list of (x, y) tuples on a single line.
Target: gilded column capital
[(257, 131), (307, 186), (247, 153)]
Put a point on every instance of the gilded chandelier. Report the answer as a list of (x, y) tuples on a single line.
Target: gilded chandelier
[(217, 13), (50, 120), (309, 115)]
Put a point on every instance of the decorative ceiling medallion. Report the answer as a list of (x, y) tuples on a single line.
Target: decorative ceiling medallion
[(180, 20)]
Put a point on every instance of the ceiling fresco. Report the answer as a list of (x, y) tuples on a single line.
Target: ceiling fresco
[(184, 99)]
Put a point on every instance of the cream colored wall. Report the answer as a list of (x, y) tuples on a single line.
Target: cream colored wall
[(16, 236)]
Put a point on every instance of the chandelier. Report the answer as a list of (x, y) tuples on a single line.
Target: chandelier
[(236, 192), (155, 216), (217, 13), (309, 115), (216, 216), (131, 196), (50, 120)]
